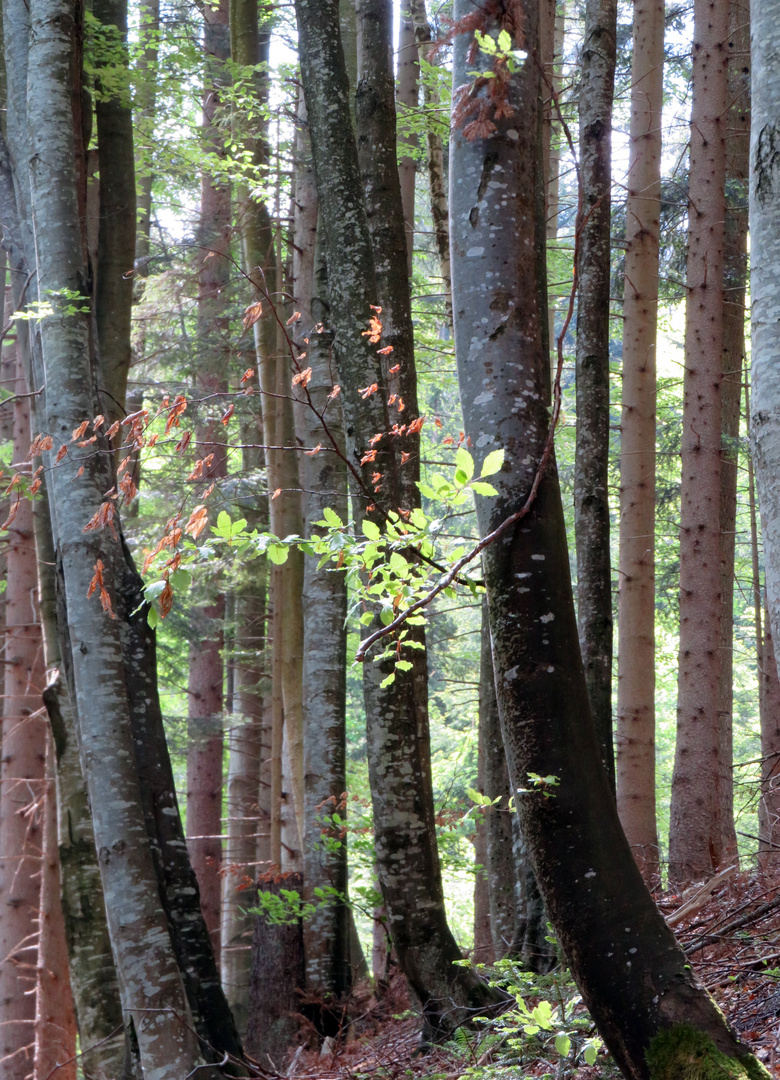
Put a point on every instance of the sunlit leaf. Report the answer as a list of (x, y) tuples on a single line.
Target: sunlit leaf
[(492, 463)]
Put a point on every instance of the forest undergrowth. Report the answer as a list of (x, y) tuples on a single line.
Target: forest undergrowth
[(729, 928)]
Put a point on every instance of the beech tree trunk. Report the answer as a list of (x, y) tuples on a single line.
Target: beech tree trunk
[(407, 98), (591, 463), (635, 758), (399, 771), (765, 352), (697, 803), (633, 976)]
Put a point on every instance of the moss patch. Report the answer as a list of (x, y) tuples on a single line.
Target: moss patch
[(686, 1053)]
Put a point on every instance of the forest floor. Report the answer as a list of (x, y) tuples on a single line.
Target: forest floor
[(730, 929)]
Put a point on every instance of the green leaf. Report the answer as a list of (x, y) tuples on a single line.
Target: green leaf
[(366, 618), (465, 462), (485, 42), (388, 681), (479, 488), (371, 530), (386, 616), (332, 518), (152, 617), (403, 665), (590, 1053), (504, 41), (562, 1043), (153, 589), (223, 523), (181, 579), (277, 553), (492, 463), (427, 491)]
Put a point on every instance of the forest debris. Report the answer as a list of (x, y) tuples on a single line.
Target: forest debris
[(701, 896)]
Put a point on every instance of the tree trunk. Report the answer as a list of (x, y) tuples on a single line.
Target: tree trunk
[(435, 156), (765, 267), (591, 463), (734, 282), (22, 778), (398, 767), (697, 804), (769, 806), (636, 588), (153, 994), (407, 99), (633, 977), (55, 1019), (116, 229), (323, 483)]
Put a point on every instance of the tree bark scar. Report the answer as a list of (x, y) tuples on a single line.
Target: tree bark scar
[(767, 154), (488, 165)]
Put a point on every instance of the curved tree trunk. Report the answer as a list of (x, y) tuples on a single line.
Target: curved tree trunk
[(633, 976)]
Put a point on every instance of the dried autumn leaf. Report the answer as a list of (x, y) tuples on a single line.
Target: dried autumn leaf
[(334, 392), (14, 510), (303, 378), (252, 314), (415, 426), (373, 307), (175, 411), (208, 491), (293, 318), (376, 438), (87, 442), (386, 351), (78, 433), (404, 457), (113, 429), (367, 391), (38, 445), (277, 492), (98, 421), (61, 454), (165, 601), (316, 450), (103, 516), (199, 519), (401, 406), (370, 455), (184, 441), (248, 374), (437, 422), (123, 464), (394, 370), (197, 472), (374, 332), (228, 413)]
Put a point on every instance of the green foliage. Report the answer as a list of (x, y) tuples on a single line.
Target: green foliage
[(548, 1021)]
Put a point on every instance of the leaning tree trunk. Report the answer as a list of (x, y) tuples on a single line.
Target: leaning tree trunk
[(591, 462), (697, 804), (635, 758), (403, 805), (150, 978), (632, 974)]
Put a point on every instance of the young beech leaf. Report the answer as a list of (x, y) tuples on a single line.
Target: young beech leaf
[(277, 553), (492, 462), (332, 518), (152, 617), (223, 523), (590, 1053), (181, 579), (504, 41), (371, 530), (479, 488), (562, 1043), (388, 681), (403, 665), (464, 462)]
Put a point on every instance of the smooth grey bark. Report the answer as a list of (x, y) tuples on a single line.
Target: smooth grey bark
[(517, 915), (603, 915), (765, 287), (398, 769), (323, 484), (591, 462)]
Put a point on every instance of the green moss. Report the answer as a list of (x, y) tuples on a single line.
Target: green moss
[(686, 1053)]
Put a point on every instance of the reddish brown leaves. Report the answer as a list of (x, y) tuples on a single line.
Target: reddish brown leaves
[(103, 516), (252, 314), (97, 583), (303, 378), (198, 520)]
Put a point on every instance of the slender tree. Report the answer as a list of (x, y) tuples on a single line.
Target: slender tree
[(591, 463), (635, 759), (697, 804)]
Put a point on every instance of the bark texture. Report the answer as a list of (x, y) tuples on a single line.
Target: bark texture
[(697, 803), (399, 770), (603, 915), (635, 758), (765, 294), (591, 463)]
